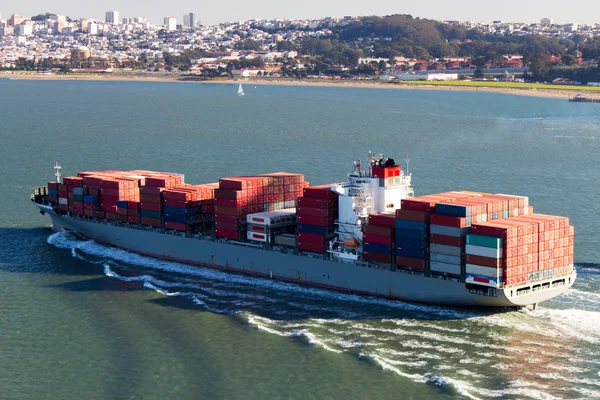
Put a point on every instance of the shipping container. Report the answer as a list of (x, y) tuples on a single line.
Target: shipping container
[(451, 269), (411, 262), (444, 249), (445, 258), (448, 231)]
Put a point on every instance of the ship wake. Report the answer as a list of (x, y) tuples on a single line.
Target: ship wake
[(537, 354)]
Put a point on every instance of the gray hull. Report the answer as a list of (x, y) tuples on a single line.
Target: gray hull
[(282, 264)]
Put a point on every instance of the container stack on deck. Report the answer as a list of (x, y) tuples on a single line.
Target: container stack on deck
[(379, 238), (519, 249), (317, 212), (187, 207), (151, 207), (239, 196), (262, 227)]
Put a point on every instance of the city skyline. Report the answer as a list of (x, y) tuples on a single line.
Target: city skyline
[(463, 10)]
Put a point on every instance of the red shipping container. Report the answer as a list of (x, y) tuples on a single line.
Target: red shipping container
[(410, 215), (317, 203), (313, 212), (151, 190), (133, 205), (177, 203), (230, 194), (379, 230), (226, 233), (148, 198), (454, 222), (226, 217), (229, 210), (231, 226), (386, 220), (447, 240), (320, 192), (157, 223), (422, 203), (175, 226), (483, 261), (377, 257), (410, 262), (310, 238), (231, 203), (370, 238), (122, 218), (132, 219), (100, 215), (312, 247), (302, 219)]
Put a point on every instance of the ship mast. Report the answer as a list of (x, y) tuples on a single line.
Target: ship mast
[(57, 168)]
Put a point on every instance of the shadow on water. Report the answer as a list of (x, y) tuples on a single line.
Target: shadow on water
[(26, 250)]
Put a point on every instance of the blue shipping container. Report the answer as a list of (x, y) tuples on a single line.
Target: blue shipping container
[(377, 248), (122, 203), (87, 199), (179, 218), (407, 234), (314, 229), (413, 244), (411, 252), (52, 192), (411, 225), (180, 210), (452, 210)]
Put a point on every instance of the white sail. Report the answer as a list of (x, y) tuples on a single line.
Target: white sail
[(240, 90)]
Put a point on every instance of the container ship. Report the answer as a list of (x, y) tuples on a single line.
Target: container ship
[(368, 235)]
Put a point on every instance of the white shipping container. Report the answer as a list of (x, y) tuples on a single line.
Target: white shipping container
[(483, 251), (444, 258), (257, 236), (448, 231), (286, 216), (443, 267), (443, 249), (62, 200), (484, 271)]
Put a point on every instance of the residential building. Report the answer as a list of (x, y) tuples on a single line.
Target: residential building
[(170, 23), (112, 17)]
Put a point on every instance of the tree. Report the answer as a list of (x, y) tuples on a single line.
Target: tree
[(540, 65), (478, 74), (568, 59)]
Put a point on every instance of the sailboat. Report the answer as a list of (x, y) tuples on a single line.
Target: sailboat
[(240, 90)]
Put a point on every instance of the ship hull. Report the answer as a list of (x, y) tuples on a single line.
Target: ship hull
[(305, 269)]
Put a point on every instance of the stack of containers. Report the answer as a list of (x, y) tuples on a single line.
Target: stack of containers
[(115, 188), (532, 247), (234, 199), (151, 206), (183, 204), (317, 211), (263, 226), (122, 210), (239, 196), (53, 192), (133, 212), (413, 223), (379, 238)]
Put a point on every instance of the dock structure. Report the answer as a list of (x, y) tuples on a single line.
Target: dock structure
[(582, 99)]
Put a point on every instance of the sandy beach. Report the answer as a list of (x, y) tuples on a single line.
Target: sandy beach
[(367, 84)]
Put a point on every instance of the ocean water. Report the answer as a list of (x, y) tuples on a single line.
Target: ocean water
[(79, 320)]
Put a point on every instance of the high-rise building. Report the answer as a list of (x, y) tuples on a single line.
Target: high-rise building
[(15, 20), (186, 20), (112, 17), (546, 22), (170, 23), (92, 28), (192, 17)]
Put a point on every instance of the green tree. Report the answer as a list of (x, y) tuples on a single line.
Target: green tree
[(539, 65)]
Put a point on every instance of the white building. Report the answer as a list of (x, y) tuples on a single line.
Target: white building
[(92, 28), (170, 23), (112, 17), (546, 22), (424, 76)]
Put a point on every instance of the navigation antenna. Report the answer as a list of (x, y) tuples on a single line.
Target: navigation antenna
[(57, 168)]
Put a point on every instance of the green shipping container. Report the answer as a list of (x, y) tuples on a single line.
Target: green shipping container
[(484, 241), (151, 214), (78, 198)]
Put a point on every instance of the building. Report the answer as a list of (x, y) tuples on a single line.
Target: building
[(189, 20), (546, 22), (424, 76), (23, 30), (80, 53), (170, 23), (112, 17), (92, 28), (15, 20)]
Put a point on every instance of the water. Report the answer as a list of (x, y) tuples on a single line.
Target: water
[(79, 320)]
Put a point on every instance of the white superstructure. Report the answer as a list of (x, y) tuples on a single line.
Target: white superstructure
[(375, 188)]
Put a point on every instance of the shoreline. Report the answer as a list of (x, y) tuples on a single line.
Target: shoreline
[(545, 93)]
